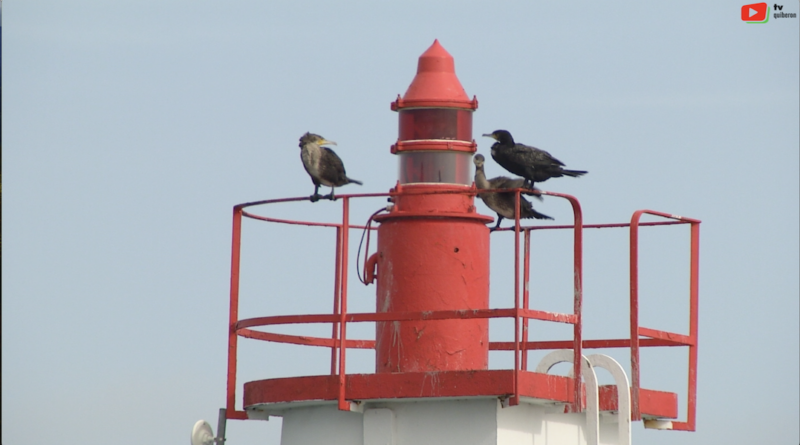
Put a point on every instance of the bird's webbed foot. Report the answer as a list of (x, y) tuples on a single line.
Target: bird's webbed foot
[(315, 197)]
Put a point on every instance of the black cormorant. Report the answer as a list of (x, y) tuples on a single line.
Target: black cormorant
[(322, 164), (529, 162), (503, 203)]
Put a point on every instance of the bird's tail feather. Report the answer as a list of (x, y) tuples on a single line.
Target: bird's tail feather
[(354, 181), (538, 215), (574, 173), (527, 211)]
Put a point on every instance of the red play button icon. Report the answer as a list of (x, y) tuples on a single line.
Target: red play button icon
[(757, 12)]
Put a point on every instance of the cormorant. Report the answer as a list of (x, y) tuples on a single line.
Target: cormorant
[(531, 163), (322, 164), (503, 203)]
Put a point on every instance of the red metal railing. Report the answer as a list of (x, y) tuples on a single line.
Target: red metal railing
[(675, 339), (526, 314), (521, 313)]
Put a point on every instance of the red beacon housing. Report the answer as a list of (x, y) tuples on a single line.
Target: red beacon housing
[(435, 142), (433, 249)]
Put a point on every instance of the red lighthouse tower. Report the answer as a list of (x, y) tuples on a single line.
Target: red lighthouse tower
[(433, 247), (432, 383)]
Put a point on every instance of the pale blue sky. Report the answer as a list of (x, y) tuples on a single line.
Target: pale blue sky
[(132, 128)]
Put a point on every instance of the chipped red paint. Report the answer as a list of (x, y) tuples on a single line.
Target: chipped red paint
[(432, 245), (493, 383), (415, 385), (660, 404), (433, 248)]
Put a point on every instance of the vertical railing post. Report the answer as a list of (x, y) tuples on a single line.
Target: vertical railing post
[(577, 341), (343, 403), (336, 297), (634, 314), (515, 384), (233, 315), (526, 297), (694, 289), (578, 301)]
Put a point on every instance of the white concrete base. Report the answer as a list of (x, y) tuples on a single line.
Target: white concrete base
[(441, 422)]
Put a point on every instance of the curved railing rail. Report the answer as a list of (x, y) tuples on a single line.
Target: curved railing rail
[(521, 312)]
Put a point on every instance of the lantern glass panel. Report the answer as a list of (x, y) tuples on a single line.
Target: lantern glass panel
[(435, 123), (448, 167)]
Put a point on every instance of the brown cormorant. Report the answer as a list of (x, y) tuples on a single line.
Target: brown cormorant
[(503, 203), (531, 163), (322, 164)]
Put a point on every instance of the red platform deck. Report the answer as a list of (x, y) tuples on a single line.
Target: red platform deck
[(271, 395)]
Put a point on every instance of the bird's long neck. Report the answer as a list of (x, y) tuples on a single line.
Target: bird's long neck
[(480, 179), (311, 153), (312, 150), (310, 146)]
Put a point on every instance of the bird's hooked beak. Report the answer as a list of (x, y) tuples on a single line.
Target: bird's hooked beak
[(326, 142), (490, 135)]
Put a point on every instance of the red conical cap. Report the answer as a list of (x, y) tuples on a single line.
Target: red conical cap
[(435, 84)]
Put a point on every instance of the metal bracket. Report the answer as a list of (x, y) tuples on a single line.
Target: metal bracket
[(221, 424)]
